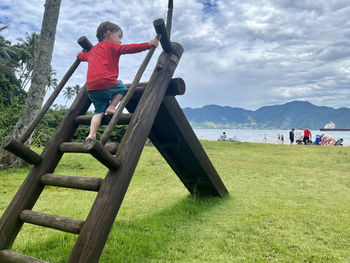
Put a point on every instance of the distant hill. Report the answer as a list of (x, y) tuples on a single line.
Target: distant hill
[(293, 114)]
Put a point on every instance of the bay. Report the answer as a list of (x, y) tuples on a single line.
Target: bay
[(247, 135)]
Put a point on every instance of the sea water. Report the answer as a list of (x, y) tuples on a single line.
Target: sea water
[(244, 135)]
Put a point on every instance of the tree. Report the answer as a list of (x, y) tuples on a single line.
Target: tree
[(39, 82), (71, 91), (7, 54), (27, 51)]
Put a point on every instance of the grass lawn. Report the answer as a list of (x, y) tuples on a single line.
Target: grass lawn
[(286, 204)]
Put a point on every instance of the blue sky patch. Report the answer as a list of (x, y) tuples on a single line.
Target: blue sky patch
[(209, 6)]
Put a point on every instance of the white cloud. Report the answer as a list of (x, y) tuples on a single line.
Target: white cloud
[(237, 53)]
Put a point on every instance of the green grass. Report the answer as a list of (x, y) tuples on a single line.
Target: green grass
[(286, 204)]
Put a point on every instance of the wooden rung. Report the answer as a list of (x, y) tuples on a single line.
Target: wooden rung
[(78, 147), (52, 221), (86, 119), (8, 256), (99, 151), (176, 87), (76, 182), (20, 150)]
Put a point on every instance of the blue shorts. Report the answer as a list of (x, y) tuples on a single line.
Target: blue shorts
[(101, 98)]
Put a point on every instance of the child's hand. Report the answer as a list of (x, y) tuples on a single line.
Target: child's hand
[(153, 42)]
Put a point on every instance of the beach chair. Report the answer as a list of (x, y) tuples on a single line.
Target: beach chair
[(339, 142)]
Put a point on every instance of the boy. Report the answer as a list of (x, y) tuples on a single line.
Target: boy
[(103, 87)]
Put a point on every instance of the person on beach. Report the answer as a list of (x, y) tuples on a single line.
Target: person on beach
[(282, 138), (299, 136), (307, 136), (265, 139), (103, 87), (291, 136), (327, 140)]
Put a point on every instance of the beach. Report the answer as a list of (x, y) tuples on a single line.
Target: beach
[(247, 135)]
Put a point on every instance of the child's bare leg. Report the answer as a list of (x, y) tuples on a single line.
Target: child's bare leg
[(94, 125), (111, 108)]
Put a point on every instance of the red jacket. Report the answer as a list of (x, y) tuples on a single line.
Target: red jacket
[(307, 133), (103, 59)]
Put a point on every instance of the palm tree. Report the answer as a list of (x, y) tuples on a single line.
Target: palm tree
[(7, 52), (27, 51), (4, 27), (69, 92)]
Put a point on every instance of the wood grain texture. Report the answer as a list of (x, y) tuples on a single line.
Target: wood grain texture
[(8, 256), (75, 182), (20, 150), (52, 221)]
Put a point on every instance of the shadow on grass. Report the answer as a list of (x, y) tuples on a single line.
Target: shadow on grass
[(150, 238), (140, 240)]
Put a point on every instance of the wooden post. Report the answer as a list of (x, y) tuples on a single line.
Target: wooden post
[(161, 30), (98, 150), (85, 43), (169, 17), (176, 87), (14, 257), (96, 228), (20, 150), (174, 138)]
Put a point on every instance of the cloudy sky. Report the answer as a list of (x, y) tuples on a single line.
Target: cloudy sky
[(237, 53)]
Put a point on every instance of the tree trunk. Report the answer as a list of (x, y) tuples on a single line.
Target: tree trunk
[(39, 82)]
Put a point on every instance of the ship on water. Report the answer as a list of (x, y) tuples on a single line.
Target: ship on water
[(330, 126)]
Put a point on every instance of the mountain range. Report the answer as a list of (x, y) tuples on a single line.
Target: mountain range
[(294, 114)]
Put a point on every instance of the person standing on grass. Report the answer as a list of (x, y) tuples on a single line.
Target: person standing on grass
[(299, 136), (307, 136), (103, 87), (291, 136)]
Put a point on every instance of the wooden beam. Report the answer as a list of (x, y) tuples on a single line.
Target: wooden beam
[(86, 119), (52, 221), (176, 87), (20, 150), (80, 147), (75, 182), (96, 228), (99, 151), (186, 156), (8, 256), (169, 18), (162, 31), (85, 43)]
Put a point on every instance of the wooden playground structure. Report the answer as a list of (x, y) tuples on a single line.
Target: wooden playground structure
[(153, 113)]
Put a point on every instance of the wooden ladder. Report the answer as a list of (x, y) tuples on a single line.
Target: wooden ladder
[(154, 113)]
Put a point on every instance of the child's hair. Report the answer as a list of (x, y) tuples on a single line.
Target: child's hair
[(103, 27)]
